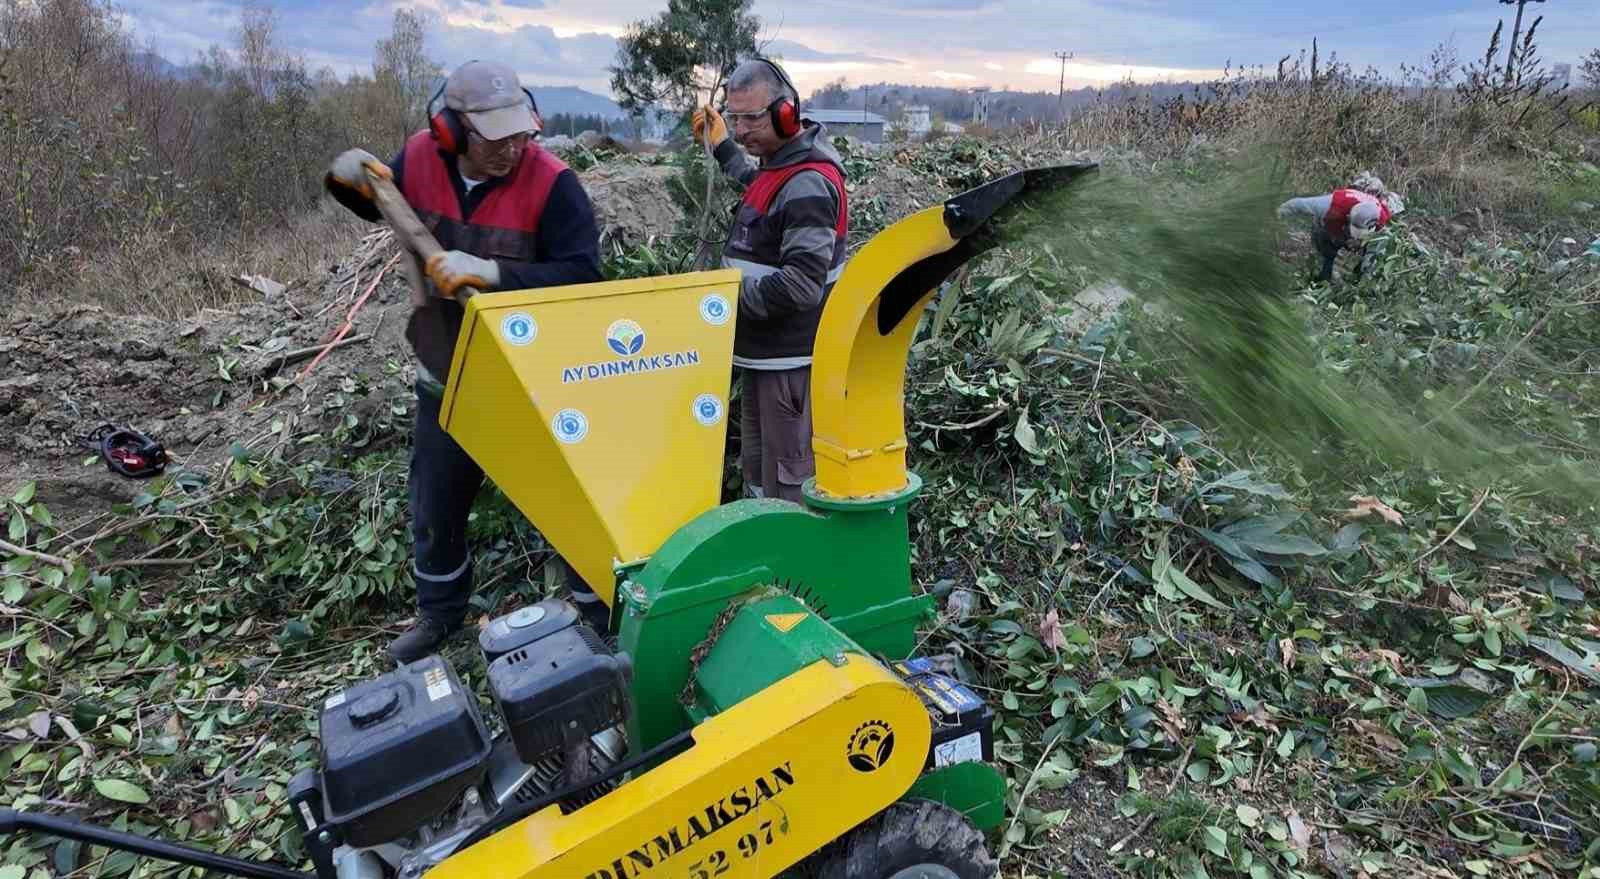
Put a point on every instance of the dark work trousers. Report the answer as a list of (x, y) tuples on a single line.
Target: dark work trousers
[(1327, 248), (775, 432), (443, 482)]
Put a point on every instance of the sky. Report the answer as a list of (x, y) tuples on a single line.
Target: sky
[(962, 43)]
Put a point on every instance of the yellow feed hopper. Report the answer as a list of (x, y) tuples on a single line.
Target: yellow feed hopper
[(599, 409)]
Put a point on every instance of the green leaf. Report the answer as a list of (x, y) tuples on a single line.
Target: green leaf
[(17, 529), (1285, 544), (1101, 697), (364, 539), (1199, 771), (1560, 587), (1583, 665), (121, 791), (24, 494), (1216, 840), (1025, 435), (1454, 697), (1258, 527), (1247, 815), (1240, 480), (1194, 590), (1286, 744), (13, 871)]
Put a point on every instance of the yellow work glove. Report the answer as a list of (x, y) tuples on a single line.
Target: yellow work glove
[(708, 124), (454, 269), (350, 171)]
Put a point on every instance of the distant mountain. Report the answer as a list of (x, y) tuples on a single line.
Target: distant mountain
[(161, 66), (1005, 106), (574, 101)]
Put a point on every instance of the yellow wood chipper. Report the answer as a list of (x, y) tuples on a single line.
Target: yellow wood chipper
[(755, 707)]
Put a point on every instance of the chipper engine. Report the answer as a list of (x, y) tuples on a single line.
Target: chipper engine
[(754, 707)]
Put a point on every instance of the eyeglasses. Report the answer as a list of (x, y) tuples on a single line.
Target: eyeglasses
[(747, 119), (505, 144)]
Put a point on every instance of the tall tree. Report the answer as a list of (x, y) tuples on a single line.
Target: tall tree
[(835, 94), (674, 58), (403, 73), (682, 53), (256, 40), (1590, 65)]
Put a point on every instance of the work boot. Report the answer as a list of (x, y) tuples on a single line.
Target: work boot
[(423, 639)]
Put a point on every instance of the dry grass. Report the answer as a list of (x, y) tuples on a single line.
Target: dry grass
[(170, 277)]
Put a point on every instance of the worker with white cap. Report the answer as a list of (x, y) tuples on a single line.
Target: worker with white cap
[(510, 216), (1342, 218)]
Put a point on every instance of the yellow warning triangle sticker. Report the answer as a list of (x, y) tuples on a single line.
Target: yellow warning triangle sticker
[(783, 622)]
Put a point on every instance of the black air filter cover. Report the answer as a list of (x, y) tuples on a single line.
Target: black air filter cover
[(398, 749), (559, 690)]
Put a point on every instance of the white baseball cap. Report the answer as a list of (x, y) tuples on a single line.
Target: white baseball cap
[(491, 97)]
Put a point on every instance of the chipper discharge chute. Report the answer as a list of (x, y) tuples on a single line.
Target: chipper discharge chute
[(755, 708)]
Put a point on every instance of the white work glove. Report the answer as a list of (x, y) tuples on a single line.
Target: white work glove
[(1360, 233), (350, 170), (453, 269)]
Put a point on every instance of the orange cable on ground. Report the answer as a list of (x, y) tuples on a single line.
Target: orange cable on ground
[(349, 319)]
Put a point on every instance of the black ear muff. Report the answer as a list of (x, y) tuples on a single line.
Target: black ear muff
[(533, 108)]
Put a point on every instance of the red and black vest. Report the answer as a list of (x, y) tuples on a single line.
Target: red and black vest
[(757, 240), (504, 226), (1338, 218)]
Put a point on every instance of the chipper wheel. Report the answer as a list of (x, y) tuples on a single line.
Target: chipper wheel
[(914, 839)]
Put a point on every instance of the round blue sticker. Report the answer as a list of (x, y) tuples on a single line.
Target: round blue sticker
[(707, 409), (519, 328), (714, 310), (570, 426)]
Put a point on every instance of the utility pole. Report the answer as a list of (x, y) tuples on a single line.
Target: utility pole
[(1061, 90), (1516, 32)]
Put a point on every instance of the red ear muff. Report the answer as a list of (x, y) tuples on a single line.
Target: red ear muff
[(785, 117), (448, 131)]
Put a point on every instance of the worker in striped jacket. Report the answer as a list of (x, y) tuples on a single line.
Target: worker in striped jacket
[(788, 239)]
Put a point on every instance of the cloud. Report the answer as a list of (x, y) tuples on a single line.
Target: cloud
[(949, 75)]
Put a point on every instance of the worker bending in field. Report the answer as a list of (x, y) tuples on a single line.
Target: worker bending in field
[(1343, 218), (509, 216), (788, 238)]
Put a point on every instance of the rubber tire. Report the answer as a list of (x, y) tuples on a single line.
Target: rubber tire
[(908, 834)]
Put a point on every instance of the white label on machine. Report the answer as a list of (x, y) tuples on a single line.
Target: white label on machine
[(707, 409), (570, 426), (519, 328), (715, 310), (967, 749), (438, 684)]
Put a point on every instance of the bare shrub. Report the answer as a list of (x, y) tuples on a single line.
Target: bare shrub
[(115, 162)]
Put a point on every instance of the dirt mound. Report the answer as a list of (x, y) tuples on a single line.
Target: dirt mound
[(631, 203), (198, 386)]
